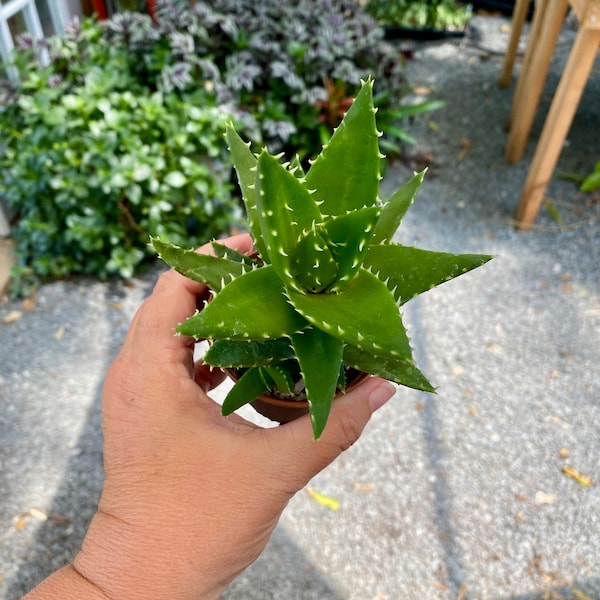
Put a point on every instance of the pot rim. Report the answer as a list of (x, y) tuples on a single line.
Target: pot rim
[(358, 379)]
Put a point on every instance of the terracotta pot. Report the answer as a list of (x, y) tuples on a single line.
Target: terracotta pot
[(284, 411), (276, 409)]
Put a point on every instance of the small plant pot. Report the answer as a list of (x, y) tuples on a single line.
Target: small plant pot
[(284, 411), (281, 411)]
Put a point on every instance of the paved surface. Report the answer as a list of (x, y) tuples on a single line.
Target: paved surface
[(458, 495)]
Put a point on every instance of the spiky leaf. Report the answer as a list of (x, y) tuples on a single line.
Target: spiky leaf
[(238, 311), (349, 237), (277, 378), (223, 251), (395, 208), (400, 370), (214, 272), (364, 314), (236, 353), (410, 271), (245, 164), (246, 389), (320, 358), (346, 174), (286, 212), (313, 264)]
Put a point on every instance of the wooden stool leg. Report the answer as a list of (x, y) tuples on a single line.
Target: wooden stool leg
[(558, 122), (532, 80), (533, 40), (518, 18)]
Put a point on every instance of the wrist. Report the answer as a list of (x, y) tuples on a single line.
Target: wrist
[(66, 584), (126, 564)]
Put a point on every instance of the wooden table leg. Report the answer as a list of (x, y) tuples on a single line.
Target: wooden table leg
[(558, 122), (533, 77), (518, 18)]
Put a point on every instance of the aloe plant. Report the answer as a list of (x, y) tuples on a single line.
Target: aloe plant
[(324, 292)]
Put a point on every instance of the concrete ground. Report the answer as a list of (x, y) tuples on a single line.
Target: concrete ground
[(474, 493)]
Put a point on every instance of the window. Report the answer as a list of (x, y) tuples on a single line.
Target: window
[(37, 17)]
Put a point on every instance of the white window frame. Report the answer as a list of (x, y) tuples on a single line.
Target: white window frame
[(59, 14)]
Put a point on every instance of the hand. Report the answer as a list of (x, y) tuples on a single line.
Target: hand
[(191, 498)]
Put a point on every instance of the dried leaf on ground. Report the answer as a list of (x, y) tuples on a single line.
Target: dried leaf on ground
[(364, 487), (326, 501), (422, 90), (545, 498), (12, 316), (577, 593), (29, 303), (580, 478), (34, 513), (465, 146)]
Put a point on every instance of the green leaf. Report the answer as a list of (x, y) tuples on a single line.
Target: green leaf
[(412, 110), (235, 353), (223, 251), (353, 147), (214, 272), (402, 371), (277, 378), (395, 208), (364, 314), (286, 212), (175, 179), (245, 163), (251, 307), (313, 265), (246, 389), (592, 181), (320, 357), (296, 167), (142, 172), (410, 271), (349, 237), (553, 211)]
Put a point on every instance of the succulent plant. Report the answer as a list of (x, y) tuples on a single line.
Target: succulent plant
[(323, 293)]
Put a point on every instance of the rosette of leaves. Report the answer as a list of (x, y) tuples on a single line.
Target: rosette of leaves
[(324, 292)]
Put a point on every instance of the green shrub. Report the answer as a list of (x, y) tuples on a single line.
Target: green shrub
[(93, 162), (287, 69), (120, 136), (421, 14)]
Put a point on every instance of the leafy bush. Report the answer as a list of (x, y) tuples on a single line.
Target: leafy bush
[(286, 69), (93, 162), (120, 136), (421, 14)]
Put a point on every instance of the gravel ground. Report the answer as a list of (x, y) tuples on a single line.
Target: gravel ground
[(458, 495)]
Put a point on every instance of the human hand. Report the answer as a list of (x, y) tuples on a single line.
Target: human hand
[(190, 497)]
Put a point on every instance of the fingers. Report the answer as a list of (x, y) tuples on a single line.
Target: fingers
[(173, 300), (301, 458)]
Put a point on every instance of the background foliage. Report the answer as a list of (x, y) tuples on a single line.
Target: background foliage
[(93, 161), (419, 14), (119, 137)]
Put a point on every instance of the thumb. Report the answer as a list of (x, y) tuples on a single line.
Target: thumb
[(301, 457)]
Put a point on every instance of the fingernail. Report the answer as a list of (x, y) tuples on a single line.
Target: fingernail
[(380, 395)]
